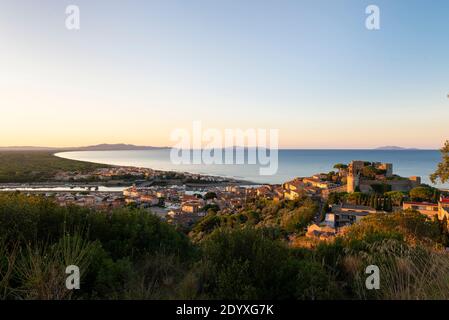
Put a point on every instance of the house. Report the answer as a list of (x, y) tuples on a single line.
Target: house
[(343, 215), (131, 192), (321, 231), (191, 207), (293, 189), (318, 183), (292, 194), (294, 185), (149, 199), (443, 208), (320, 176), (278, 193), (234, 189), (173, 213), (425, 208), (189, 197), (440, 209), (264, 191), (129, 201)]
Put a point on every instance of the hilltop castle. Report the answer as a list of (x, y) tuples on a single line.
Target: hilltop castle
[(363, 176)]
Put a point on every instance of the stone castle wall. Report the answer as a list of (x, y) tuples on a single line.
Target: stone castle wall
[(404, 185)]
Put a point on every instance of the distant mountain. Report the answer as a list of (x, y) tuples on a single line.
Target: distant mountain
[(394, 148), (117, 146), (27, 148), (98, 147)]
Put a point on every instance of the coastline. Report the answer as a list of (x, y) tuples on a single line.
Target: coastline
[(292, 163), (119, 185), (233, 179)]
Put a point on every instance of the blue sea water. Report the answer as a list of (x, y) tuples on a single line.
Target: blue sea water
[(291, 163)]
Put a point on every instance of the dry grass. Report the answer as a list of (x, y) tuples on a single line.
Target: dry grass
[(8, 258), (40, 270), (406, 273)]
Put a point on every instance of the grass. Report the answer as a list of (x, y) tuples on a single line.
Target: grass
[(406, 272), (40, 269), (37, 166)]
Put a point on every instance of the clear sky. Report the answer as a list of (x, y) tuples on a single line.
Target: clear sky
[(136, 70)]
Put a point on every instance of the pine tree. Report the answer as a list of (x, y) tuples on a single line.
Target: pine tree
[(371, 201), (442, 172), (387, 204), (436, 195)]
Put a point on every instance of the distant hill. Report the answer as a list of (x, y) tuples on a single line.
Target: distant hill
[(394, 148), (117, 146), (98, 147), (27, 148)]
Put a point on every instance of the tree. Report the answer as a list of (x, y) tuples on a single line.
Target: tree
[(330, 176), (371, 201), (296, 220), (355, 197), (403, 225), (369, 172), (396, 197), (208, 223), (423, 193), (213, 207), (376, 203), (337, 197), (387, 205), (442, 172), (340, 166), (210, 195)]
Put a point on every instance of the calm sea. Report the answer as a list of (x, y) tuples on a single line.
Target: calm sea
[(292, 163)]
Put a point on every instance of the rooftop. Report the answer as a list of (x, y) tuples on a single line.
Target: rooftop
[(421, 203), (444, 200)]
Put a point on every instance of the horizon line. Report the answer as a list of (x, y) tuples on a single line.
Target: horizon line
[(381, 148)]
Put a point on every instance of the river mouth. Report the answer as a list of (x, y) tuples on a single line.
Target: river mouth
[(159, 159), (59, 188)]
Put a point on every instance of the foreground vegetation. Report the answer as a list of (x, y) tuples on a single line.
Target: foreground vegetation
[(37, 166), (282, 217), (130, 254)]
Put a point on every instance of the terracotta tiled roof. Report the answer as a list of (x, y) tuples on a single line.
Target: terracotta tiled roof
[(421, 203), (444, 200)]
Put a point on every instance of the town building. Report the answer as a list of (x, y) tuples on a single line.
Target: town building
[(443, 208), (440, 209), (191, 207), (346, 214), (321, 231), (425, 208)]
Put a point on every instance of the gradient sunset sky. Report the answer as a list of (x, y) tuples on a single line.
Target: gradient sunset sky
[(139, 69)]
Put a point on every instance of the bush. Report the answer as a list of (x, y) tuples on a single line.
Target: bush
[(246, 264), (130, 254), (39, 239), (421, 194)]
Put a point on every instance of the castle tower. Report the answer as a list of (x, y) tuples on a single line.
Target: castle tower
[(352, 177), (352, 182)]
